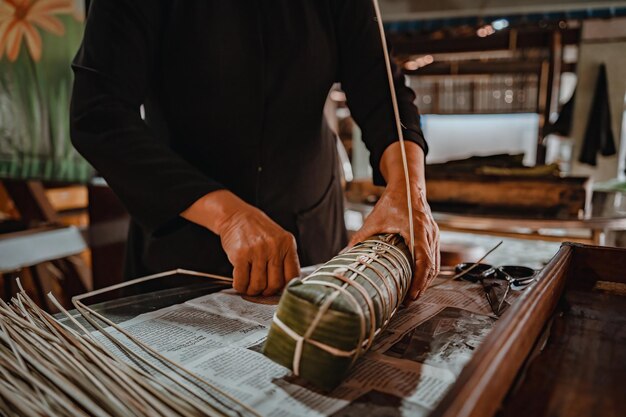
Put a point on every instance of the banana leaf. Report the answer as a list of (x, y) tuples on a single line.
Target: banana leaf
[(340, 325)]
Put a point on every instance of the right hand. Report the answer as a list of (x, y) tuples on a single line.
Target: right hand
[(263, 254)]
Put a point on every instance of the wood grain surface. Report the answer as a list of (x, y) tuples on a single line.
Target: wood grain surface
[(559, 351), (581, 370), (486, 379)]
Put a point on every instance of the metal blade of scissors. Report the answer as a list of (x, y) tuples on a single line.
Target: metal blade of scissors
[(496, 291)]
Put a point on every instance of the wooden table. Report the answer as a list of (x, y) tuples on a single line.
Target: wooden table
[(560, 350)]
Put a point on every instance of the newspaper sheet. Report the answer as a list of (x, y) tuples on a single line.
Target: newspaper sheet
[(219, 338)]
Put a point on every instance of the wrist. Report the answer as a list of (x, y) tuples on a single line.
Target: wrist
[(392, 167), (213, 210), (397, 184)]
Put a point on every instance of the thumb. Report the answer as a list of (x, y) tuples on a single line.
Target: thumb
[(362, 234), (359, 236)]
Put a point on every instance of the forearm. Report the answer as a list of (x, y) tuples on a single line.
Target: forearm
[(214, 209), (392, 169)]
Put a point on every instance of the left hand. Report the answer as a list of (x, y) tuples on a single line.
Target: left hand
[(390, 215)]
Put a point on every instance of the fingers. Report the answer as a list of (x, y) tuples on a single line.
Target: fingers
[(241, 276), (258, 276), (275, 277), (284, 267), (373, 225), (292, 264), (422, 273), (421, 278), (372, 228), (265, 267), (438, 255), (426, 262), (359, 236), (263, 254), (390, 216)]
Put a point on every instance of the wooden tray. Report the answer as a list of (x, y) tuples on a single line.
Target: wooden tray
[(559, 351)]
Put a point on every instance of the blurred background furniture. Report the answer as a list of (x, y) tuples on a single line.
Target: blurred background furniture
[(45, 259)]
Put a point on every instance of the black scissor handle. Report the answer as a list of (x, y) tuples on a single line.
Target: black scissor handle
[(516, 275), (477, 272)]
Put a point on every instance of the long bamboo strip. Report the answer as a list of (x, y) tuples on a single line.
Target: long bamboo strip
[(190, 377), (48, 369), (176, 404)]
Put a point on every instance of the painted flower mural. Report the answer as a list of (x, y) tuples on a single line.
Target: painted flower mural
[(38, 39), (19, 19)]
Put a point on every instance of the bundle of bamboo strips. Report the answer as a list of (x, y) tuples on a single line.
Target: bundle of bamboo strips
[(50, 369)]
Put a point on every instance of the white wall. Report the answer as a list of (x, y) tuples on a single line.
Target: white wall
[(612, 52), (461, 136)]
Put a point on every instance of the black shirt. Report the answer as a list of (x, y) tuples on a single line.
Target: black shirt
[(233, 93)]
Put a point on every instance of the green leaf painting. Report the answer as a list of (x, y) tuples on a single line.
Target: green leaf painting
[(38, 39)]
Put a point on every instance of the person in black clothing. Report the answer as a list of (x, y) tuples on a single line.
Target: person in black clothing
[(234, 170)]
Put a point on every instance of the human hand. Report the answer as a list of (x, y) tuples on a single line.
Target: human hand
[(390, 215), (263, 254)]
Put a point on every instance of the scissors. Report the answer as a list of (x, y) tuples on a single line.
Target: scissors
[(497, 281)]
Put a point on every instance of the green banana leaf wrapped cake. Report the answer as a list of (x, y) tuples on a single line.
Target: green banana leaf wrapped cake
[(325, 321)]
